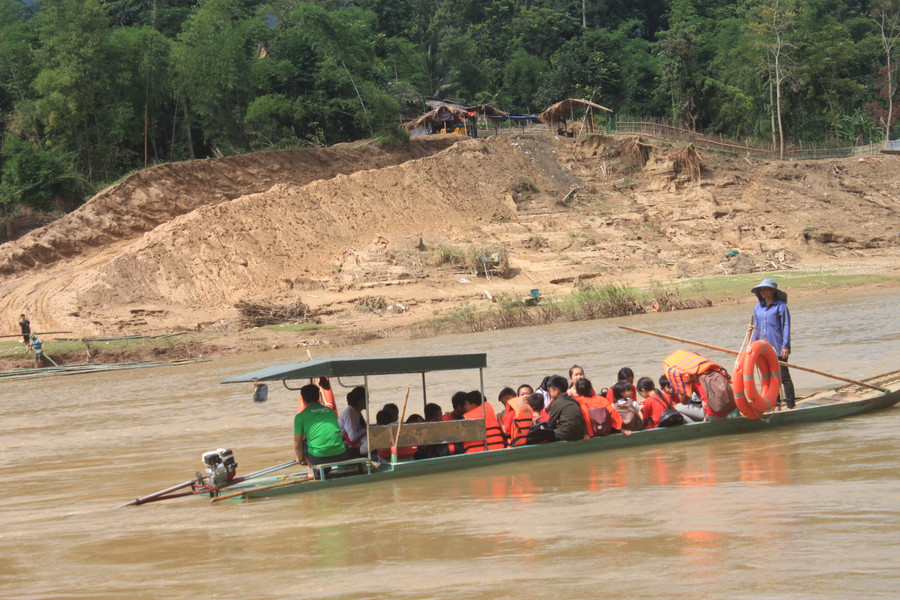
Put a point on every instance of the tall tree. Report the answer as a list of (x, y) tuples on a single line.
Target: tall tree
[(71, 106), (886, 15), (775, 23), (212, 60)]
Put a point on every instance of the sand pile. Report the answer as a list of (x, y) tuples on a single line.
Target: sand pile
[(177, 246)]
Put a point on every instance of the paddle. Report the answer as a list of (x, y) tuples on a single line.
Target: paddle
[(399, 425), (727, 351), (258, 489)]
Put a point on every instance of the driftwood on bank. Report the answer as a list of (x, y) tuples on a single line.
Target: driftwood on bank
[(258, 314)]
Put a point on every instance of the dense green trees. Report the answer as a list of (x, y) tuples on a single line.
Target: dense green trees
[(91, 89)]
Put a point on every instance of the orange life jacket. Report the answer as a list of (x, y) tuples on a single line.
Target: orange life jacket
[(683, 367), (521, 417), (588, 402), (495, 440)]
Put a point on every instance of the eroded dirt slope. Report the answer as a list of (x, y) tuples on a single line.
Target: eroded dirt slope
[(159, 194), (176, 247)]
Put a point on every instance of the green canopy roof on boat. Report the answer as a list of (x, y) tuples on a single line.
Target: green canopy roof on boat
[(344, 367)]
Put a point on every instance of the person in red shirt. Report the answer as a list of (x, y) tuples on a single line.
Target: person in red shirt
[(627, 375), (505, 416), (654, 405), (668, 392), (457, 412)]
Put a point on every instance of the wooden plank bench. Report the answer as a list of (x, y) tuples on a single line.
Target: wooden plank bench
[(320, 469)]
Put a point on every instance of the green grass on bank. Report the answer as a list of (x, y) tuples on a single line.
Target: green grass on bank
[(16, 349), (299, 327), (724, 287)]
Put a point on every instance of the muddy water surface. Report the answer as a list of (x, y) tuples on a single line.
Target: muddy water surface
[(808, 512)]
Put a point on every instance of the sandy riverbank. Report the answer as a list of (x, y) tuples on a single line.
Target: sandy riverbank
[(374, 240)]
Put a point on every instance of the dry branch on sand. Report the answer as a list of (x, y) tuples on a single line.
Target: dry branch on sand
[(257, 314), (487, 260), (633, 153), (668, 299), (688, 160)]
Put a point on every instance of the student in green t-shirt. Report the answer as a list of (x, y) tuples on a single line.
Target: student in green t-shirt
[(317, 435)]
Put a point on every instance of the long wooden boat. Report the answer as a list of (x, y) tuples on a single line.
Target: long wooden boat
[(845, 401)]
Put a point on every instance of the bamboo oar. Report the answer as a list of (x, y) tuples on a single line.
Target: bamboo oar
[(727, 351), (744, 343), (258, 489), (399, 425)]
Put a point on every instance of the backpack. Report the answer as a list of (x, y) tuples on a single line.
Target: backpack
[(540, 433), (600, 420), (719, 395), (670, 418), (631, 418)]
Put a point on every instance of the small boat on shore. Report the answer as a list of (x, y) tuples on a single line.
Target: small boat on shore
[(841, 402)]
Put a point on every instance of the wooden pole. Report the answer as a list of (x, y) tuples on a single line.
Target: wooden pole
[(402, 415), (727, 351), (34, 333), (394, 454)]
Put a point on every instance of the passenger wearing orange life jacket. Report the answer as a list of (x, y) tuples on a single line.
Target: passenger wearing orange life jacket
[(517, 422), (476, 408), (524, 391), (410, 451), (504, 415), (455, 414), (587, 399), (386, 417), (684, 370)]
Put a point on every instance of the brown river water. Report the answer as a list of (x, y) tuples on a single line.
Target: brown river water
[(805, 512)]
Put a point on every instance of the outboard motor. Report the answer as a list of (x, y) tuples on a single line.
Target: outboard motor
[(220, 466)]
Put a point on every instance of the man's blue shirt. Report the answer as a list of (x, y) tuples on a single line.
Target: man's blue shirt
[(773, 324)]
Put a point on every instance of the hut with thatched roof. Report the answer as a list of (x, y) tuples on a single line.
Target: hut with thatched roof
[(561, 112), (443, 119), (449, 117)]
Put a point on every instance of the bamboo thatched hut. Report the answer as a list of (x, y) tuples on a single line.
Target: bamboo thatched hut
[(443, 117), (559, 113)]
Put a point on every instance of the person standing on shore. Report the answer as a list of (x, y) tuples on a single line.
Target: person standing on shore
[(25, 326), (772, 322)]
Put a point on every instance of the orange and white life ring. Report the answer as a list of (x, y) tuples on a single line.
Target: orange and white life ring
[(752, 402)]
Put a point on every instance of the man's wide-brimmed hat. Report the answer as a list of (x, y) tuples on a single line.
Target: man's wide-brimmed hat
[(769, 283)]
